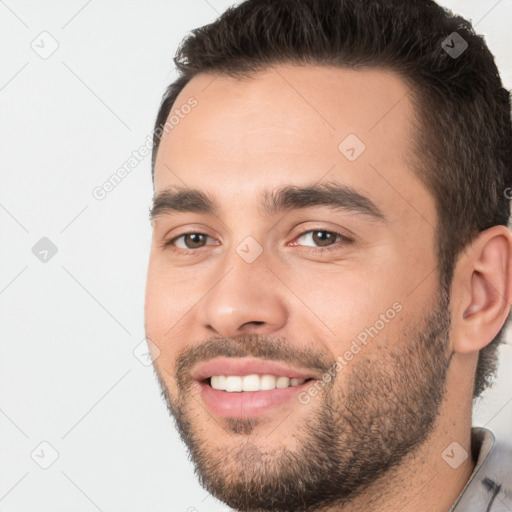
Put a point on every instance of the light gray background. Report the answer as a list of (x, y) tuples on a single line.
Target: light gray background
[(68, 374)]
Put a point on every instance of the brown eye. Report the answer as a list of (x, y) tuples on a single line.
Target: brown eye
[(319, 238), (189, 241), (195, 240), (323, 238)]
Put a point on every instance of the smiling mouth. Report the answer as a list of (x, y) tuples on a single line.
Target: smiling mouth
[(243, 387), (252, 382)]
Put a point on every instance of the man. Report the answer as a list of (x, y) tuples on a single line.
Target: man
[(330, 272)]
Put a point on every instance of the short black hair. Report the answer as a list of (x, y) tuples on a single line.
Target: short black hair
[(463, 141)]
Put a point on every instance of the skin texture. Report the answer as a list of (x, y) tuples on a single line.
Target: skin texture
[(407, 395)]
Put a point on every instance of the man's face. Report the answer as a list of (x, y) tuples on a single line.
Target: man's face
[(339, 304)]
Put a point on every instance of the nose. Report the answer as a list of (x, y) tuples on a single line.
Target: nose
[(246, 299)]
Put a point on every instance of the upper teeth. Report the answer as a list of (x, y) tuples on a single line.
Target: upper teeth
[(252, 382)]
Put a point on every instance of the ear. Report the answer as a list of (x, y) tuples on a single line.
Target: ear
[(481, 290)]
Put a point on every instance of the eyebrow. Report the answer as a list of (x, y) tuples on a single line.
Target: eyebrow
[(287, 198)]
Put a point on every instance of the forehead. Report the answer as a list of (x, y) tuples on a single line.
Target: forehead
[(294, 125)]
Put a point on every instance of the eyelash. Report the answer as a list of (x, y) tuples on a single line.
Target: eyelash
[(346, 240)]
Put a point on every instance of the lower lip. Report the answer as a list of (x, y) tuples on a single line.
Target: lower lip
[(247, 404)]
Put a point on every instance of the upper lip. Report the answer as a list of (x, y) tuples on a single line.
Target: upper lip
[(246, 366)]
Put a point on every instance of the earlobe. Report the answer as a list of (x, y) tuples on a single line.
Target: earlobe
[(482, 283)]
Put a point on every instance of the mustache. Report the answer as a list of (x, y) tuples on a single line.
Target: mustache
[(251, 345)]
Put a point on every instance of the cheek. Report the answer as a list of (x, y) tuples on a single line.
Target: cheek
[(169, 310), (345, 299), (169, 295), (361, 301), (155, 306)]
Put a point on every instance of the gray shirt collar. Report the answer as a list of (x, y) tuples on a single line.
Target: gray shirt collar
[(489, 489)]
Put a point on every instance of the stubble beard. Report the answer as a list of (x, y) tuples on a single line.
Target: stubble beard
[(358, 429)]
